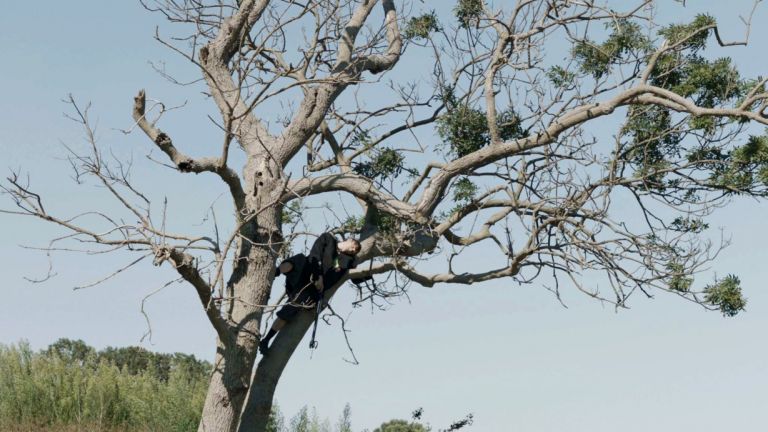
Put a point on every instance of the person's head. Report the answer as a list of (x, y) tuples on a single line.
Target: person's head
[(349, 247)]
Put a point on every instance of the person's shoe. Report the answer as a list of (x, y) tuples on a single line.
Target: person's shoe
[(264, 347)]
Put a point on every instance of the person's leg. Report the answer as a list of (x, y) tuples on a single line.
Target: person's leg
[(285, 313), (283, 316), (276, 327)]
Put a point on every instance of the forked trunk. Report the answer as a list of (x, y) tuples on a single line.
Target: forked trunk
[(249, 287), (258, 405)]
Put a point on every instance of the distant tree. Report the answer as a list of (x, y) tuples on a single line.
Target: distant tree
[(276, 420), (134, 360), (190, 364), (345, 420), (301, 421), (67, 386), (71, 350), (401, 426), (137, 360), (398, 425)]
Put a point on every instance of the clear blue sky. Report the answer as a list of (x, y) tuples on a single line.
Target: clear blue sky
[(511, 355)]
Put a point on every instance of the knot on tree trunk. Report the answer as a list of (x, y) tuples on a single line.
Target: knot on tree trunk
[(185, 165), (163, 139), (162, 254)]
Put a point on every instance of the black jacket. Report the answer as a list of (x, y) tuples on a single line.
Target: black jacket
[(326, 261), (300, 277)]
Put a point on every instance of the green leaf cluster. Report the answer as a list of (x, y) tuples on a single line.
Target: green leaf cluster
[(465, 128), (468, 12), (709, 83), (509, 125), (652, 142), (353, 224), (361, 138), (384, 164), (401, 426), (691, 35), (679, 280), (420, 27), (743, 169), (560, 77), (386, 223), (625, 38), (464, 190), (726, 295), (688, 225), (291, 213)]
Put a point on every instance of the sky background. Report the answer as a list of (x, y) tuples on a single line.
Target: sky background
[(510, 354)]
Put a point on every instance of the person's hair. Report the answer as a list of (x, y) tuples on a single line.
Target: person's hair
[(356, 243)]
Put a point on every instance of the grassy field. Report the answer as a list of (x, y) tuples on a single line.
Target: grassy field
[(71, 387)]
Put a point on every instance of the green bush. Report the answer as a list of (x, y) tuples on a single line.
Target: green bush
[(71, 384)]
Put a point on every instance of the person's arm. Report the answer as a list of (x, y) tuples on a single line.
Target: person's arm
[(358, 281), (286, 267), (317, 253)]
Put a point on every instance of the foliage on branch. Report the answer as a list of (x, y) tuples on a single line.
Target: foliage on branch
[(748, 165), (725, 294), (688, 225), (465, 128), (561, 77), (626, 39), (679, 280), (464, 191), (684, 71), (509, 125), (384, 164), (468, 12), (421, 27), (692, 36), (653, 142)]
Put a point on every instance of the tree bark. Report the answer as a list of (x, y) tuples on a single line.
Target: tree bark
[(258, 406), (256, 248), (226, 391)]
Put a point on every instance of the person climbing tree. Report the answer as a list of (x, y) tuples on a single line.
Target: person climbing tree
[(307, 277)]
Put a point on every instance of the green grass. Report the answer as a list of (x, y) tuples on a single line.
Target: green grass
[(55, 391)]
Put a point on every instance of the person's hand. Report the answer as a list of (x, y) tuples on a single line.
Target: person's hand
[(319, 284), (285, 267)]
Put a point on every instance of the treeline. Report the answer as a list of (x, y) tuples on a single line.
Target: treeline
[(70, 386), (121, 389)]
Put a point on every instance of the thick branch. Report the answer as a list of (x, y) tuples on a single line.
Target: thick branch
[(215, 61), (317, 100), (359, 186), (639, 94), (185, 266), (183, 162)]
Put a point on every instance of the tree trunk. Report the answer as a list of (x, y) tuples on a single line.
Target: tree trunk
[(258, 404), (258, 407), (250, 285), (226, 391)]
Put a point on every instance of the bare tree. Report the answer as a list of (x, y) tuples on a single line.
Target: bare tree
[(512, 94)]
